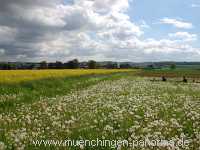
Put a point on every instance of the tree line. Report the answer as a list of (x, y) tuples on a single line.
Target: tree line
[(72, 64)]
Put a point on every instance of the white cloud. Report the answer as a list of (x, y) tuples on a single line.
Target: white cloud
[(185, 36), (21, 56), (177, 23), (84, 29), (195, 5), (111, 5), (2, 52), (7, 34), (144, 25)]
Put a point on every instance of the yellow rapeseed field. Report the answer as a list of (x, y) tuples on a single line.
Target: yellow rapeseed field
[(16, 76)]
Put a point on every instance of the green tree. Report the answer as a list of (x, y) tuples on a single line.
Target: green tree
[(59, 65), (92, 64), (73, 64), (173, 66), (43, 65)]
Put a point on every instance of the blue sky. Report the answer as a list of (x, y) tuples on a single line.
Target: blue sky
[(116, 30), (152, 11)]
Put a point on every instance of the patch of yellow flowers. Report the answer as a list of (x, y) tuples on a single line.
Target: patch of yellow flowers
[(16, 76)]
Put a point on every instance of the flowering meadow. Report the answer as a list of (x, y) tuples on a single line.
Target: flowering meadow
[(130, 108), (16, 76)]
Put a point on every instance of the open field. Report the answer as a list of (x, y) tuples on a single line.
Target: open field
[(189, 73), (119, 106), (12, 94), (16, 76)]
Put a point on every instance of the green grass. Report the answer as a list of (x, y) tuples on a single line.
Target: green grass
[(115, 106), (12, 95), (120, 107), (191, 73)]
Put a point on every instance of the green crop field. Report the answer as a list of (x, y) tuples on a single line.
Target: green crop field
[(189, 73), (119, 106)]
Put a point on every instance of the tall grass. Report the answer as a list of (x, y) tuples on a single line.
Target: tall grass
[(27, 92)]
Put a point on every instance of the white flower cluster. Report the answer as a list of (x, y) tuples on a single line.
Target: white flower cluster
[(130, 108)]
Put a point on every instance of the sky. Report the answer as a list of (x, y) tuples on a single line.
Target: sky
[(101, 30)]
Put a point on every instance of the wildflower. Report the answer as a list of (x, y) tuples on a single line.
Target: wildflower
[(2, 146)]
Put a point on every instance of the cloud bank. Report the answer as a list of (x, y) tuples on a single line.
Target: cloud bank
[(85, 29)]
